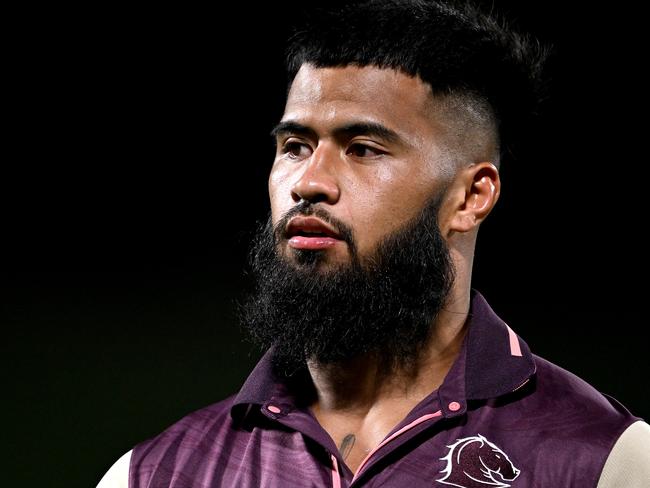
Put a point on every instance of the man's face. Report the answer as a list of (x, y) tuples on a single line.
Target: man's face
[(353, 259), (362, 145)]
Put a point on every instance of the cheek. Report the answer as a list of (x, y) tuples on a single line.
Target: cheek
[(276, 177), (385, 176), (279, 192), (387, 202), (396, 196), (375, 208)]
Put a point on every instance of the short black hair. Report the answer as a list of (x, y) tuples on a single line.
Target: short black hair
[(455, 47)]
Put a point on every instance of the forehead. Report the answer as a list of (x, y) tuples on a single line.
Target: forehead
[(351, 92)]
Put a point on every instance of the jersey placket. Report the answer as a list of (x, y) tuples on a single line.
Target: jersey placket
[(423, 417)]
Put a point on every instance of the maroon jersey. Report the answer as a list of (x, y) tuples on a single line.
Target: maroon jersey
[(502, 417)]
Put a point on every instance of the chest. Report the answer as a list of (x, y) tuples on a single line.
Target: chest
[(431, 458), (356, 437), (432, 451)]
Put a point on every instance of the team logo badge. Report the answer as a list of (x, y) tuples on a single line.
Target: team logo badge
[(474, 462)]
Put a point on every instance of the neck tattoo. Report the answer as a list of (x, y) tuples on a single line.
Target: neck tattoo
[(346, 445)]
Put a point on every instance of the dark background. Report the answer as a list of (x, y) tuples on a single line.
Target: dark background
[(135, 167)]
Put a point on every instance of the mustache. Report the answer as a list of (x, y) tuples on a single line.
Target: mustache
[(309, 209)]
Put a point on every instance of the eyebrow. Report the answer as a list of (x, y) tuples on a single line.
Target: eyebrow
[(372, 129), (289, 127)]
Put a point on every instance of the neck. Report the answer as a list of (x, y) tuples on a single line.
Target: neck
[(363, 383)]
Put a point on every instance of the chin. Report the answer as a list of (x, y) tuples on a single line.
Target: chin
[(321, 261)]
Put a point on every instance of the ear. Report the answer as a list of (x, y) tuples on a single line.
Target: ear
[(475, 192)]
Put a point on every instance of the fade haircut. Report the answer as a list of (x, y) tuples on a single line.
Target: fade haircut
[(486, 79)]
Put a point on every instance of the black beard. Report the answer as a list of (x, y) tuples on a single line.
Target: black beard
[(383, 304)]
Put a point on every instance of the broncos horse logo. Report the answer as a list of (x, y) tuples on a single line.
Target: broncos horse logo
[(474, 462)]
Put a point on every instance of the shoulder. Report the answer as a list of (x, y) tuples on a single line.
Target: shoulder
[(185, 434), (179, 438), (565, 428), (572, 415), (628, 464), (118, 475), (565, 394), (216, 413)]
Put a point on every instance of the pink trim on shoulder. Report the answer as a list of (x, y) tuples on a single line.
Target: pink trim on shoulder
[(396, 434), (515, 348)]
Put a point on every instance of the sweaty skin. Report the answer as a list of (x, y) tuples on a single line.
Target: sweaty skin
[(363, 144), (368, 182)]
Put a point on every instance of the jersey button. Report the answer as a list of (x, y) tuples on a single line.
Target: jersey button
[(454, 406)]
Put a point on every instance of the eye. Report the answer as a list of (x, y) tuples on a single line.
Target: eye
[(364, 151), (296, 150)]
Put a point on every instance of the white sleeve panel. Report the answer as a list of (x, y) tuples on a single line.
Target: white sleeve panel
[(118, 475), (628, 465)]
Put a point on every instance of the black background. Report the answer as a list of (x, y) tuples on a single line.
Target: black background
[(135, 166)]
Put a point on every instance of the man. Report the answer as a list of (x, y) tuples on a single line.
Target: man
[(384, 367)]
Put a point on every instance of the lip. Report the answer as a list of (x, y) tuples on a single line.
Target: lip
[(300, 229), (310, 225)]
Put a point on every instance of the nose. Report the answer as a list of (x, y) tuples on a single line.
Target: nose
[(318, 183)]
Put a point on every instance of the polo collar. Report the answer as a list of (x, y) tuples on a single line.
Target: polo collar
[(498, 360), (493, 361)]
